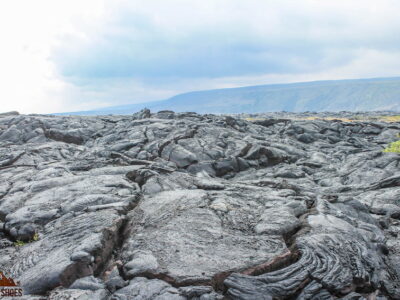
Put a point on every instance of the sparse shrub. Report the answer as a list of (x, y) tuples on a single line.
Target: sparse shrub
[(390, 118), (35, 237), (393, 147), (19, 243)]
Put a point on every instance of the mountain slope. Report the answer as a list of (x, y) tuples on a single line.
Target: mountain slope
[(337, 95)]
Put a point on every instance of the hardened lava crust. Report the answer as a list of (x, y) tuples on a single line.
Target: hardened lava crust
[(186, 206)]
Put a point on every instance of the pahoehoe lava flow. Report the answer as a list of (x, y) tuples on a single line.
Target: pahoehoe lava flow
[(187, 206)]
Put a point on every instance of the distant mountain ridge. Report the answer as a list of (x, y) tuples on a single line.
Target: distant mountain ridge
[(332, 95)]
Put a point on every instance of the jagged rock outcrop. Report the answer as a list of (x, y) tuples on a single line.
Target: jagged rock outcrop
[(188, 206)]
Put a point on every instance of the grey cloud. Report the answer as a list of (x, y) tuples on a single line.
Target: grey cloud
[(134, 46)]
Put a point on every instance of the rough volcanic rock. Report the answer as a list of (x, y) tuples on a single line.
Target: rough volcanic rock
[(187, 206), (191, 236)]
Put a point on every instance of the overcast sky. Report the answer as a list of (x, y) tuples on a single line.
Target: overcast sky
[(69, 55)]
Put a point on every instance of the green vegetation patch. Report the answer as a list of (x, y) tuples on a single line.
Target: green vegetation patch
[(390, 118), (19, 243), (393, 147)]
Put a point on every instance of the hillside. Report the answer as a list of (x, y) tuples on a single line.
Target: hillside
[(336, 95)]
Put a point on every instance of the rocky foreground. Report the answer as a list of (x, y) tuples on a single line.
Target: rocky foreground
[(187, 206)]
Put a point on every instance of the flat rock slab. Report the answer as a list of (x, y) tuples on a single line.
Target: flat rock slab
[(190, 236)]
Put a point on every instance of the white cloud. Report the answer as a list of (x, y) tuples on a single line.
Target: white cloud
[(250, 42), (28, 32)]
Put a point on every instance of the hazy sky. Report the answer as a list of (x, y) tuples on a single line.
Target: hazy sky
[(68, 55)]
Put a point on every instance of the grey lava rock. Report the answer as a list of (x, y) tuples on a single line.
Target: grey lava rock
[(185, 206), (173, 233), (78, 294), (115, 281), (145, 289), (88, 283)]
